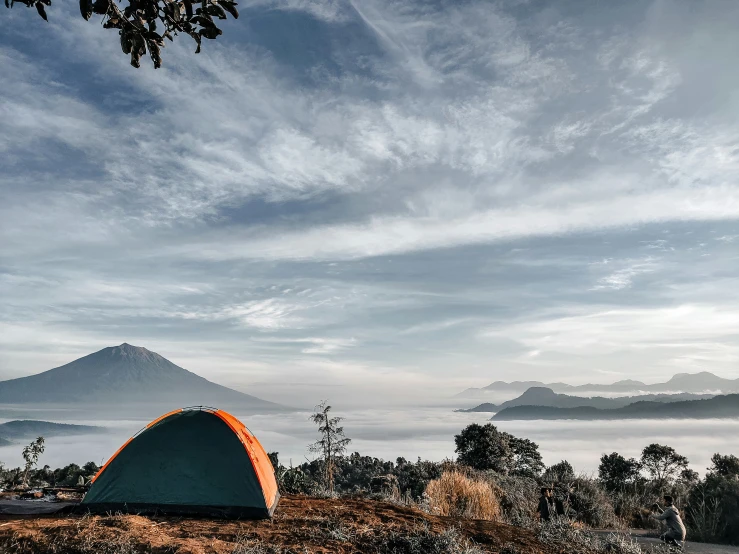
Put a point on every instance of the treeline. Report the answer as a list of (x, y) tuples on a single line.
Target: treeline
[(67, 476), (618, 497)]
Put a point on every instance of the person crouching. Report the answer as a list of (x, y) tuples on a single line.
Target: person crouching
[(675, 534)]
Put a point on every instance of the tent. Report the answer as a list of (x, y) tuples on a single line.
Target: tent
[(195, 461)]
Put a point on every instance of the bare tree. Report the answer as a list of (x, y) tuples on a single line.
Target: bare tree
[(31, 454), (136, 21), (332, 443)]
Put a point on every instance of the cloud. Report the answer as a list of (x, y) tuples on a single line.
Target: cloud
[(727, 238), (691, 330), (396, 235), (624, 277), (315, 345)]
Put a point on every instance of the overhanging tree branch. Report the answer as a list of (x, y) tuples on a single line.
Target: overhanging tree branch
[(138, 22)]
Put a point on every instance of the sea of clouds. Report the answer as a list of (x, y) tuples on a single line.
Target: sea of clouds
[(428, 432)]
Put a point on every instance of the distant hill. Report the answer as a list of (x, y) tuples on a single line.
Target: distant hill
[(543, 396), (4, 442), (484, 407), (124, 374), (697, 383), (725, 406), (30, 429)]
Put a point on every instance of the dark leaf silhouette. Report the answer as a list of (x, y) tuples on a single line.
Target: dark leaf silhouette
[(216, 11), (126, 43), (41, 11), (86, 9), (154, 52), (230, 7), (210, 32), (138, 21)]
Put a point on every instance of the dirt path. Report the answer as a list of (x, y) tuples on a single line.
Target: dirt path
[(690, 547)]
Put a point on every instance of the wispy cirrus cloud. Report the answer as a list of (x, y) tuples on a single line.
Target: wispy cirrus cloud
[(623, 277)]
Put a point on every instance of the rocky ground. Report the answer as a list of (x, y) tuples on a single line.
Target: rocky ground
[(300, 525)]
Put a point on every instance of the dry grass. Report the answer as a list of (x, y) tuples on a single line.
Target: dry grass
[(454, 494), (302, 525)]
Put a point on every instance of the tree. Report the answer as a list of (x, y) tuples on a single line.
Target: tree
[(662, 462), (31, 454), (137, 22), (526, 457), (559, 472), (688, 477), (725, 466), (274, 458), (616, 472), (332, 443), (484, 447), (90, 468)]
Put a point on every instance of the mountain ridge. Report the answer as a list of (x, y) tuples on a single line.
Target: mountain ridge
[(721, 407), (696, 383)]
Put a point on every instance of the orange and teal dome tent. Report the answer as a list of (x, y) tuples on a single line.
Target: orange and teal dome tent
[(195, 461)]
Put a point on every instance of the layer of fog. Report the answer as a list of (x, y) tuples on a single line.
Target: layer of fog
[(427, 433)]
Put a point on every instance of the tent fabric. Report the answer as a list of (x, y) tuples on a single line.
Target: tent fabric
[(192, 461)]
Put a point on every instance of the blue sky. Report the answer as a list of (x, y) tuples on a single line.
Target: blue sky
[(393, 198)]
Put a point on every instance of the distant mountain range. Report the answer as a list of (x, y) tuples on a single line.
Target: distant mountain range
[(697, 383), (30, 429), (544, 396), (125, 375), (724, 406)]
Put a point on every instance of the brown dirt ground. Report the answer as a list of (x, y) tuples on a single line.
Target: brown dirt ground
[(300, 525)]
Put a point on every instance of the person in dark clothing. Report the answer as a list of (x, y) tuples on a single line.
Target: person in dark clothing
[(560, 506), (546, 507)]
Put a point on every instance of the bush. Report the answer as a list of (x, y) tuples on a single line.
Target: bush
[(713, 511), (455, 494), (414, 477), (356, 474), (519, 497), (423, 542), (591, 505), (296, 481)]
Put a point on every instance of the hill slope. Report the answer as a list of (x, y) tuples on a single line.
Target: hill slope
[(718, 407), (543, 396), (123, 374), (30, 429), (303, 524)]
